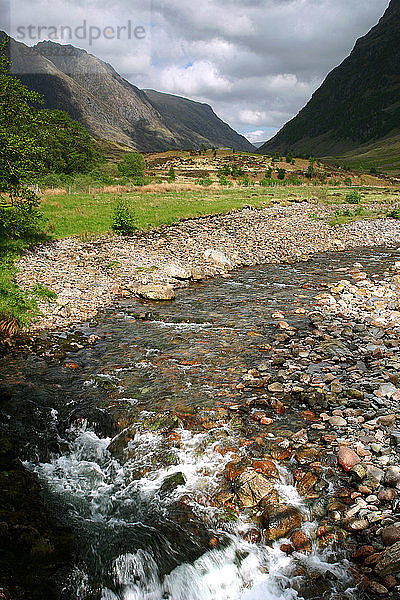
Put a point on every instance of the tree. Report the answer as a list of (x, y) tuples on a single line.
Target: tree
[(289, 158), (132, 165), (69, 147), (281, 173), (171, 174), (20, 150)]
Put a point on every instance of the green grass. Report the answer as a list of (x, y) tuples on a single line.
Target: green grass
[(15, 304), (86, 215)]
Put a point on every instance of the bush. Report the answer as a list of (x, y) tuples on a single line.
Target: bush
[(348, 181), (281, 174), (223, 180), (21, 221), (171, 174), (123, 221), (394, 214), (206, 181), (353, 197), (132, 165)]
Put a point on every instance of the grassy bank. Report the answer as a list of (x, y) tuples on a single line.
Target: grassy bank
[(87, 215), (84, 214)]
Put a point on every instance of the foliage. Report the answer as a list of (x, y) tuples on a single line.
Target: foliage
[(394, 214), (132, 165), (123, 220), (348, 181), (69, 147), (281, 174), (171, 174), (353, 197), (20, 152), (289, 158), (205, 181), (223, 180), (268, 173), (43, 293)]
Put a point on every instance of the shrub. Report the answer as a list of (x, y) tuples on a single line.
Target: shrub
[(223, 180), (171, 174), (281, 174), (123, 221), (22, 221), (206, 181), (353, 197), (132, 165), (394, 214), (348, 181)]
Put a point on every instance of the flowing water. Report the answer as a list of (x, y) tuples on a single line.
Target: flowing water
[(110, 426)]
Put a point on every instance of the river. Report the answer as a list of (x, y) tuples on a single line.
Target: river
[(130, 436)]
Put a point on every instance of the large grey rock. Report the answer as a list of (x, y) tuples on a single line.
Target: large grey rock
[(177, 272), (155, 291), (218, 258)]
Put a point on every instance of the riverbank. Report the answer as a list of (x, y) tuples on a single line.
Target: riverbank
[(87, 276)]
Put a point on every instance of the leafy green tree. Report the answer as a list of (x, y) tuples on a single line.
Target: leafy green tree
[(132, 165), (171, 174), (281, 173), (69, 147), (20, 151), (289, 158)]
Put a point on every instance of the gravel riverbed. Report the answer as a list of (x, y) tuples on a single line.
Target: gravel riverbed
[(88, 275)]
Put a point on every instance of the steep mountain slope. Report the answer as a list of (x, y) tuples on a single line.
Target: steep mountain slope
[(359, 101), (110, 107), (192, 118)]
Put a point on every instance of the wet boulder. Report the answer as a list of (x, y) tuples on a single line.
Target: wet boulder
[(252, 487), (171, 482), (389, 564), (279, 520), (348, 458)]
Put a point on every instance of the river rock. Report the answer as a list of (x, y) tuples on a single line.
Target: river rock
[(251, 487), (337, 422), (391, 534), (279, 520), (301, 541), (217, 257), (395, 438), (348, 458), (171, 482), (177, 272), (389, 564), (392, 477), (155, 291)]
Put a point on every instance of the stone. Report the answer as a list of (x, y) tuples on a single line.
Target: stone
[(392, 477), (347, 458), (395, 438), (387, 495), (275, 387), (266, 468), (387, 389), (333, 348), (218, 258), (389, 564), (301, 541), (391, 535), (171, 482), (374, 477), (359, 472), (177, 272), (251, 487), (387, 420), (279, 521), (377, 588), (337, 422), (155, 291)]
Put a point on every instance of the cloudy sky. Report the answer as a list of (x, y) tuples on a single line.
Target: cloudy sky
[(257, 62)]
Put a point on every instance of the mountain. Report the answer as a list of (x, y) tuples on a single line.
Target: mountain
[(192, 118), (110, 107), (357, 105)]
